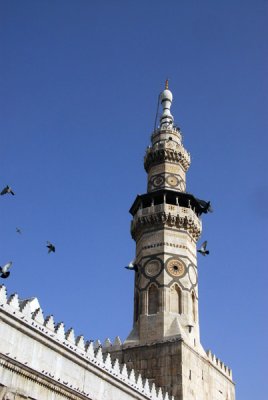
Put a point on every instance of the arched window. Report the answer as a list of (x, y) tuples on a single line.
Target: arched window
[(137, 306), (153, 301), (193, 307), (176, 299)]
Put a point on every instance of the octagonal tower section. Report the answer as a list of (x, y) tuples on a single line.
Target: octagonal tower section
[(166, 225)]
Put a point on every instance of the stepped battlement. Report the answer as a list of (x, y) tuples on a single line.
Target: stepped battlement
[(29, 314)]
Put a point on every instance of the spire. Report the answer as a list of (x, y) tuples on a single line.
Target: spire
[(166, 120), (166, 84)]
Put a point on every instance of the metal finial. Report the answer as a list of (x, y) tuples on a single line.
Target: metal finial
[(166, 84)]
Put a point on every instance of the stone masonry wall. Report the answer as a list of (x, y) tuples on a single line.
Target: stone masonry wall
[(179, 369), (160, 363)]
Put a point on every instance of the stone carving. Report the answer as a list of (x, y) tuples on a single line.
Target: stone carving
[(155, 156), (176, 267), (180, 217), (152, 268)]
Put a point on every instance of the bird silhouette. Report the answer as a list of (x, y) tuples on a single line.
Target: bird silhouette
[(132, 266), (4, 271), (205, 206), (51, 247), (18, 230), (7, 190), (203, 249)]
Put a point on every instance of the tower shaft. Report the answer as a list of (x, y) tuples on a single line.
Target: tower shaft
[(164, 344)]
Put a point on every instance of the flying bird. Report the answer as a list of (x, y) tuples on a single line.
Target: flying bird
[(205, 206), (51, 247), (132, 266), (203, 250), (7, 190), (4, 271), (18, 230)]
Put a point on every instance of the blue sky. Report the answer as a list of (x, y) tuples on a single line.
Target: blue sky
[(79, 87)]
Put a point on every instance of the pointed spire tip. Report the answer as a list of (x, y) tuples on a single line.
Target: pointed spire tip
[(166, 84)]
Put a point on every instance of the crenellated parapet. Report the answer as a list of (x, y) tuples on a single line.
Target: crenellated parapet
[(166, 215), (219, 364), (27, 314)]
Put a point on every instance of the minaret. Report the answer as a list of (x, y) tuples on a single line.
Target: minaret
[(164, 344), (166, 225)]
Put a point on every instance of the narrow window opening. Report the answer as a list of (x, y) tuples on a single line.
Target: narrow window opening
[(153, 302), (193, 307), (190, 374), (137, 307), (175, 297)]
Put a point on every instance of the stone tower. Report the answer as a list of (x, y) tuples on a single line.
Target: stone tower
[(164, 344), (166, 225)]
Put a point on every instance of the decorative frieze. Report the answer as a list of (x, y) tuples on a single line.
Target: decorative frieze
[(161, 153), (168, 215)]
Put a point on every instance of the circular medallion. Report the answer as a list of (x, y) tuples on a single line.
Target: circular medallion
[(172, 180), (157, 180), (192, 275), (176, 267), (153, 268)]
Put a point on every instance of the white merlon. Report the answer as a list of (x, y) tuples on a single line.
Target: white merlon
[(219, 364), (132, 376), (117, 341), (97, 344), (166, 396), (70, 336), (99, 355), (38, 316), (80, 342), (13, 301), (139, 382), (116, 367), (107, 343), (124, 370), (89, 347), (160, 394), (153, 391), (49, 323), (59, 330), (108, 362), (146, 387)]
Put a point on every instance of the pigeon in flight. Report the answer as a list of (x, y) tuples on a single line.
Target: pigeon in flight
[(51, 247), (4, 271), (18, 230), (7, 190), (132, 266), (203, 250), (205, 206)]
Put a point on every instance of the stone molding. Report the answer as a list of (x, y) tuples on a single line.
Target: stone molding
[(156, 155), (165, 214), (20, 314)]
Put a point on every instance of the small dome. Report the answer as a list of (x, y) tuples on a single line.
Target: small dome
[(166, 95)]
